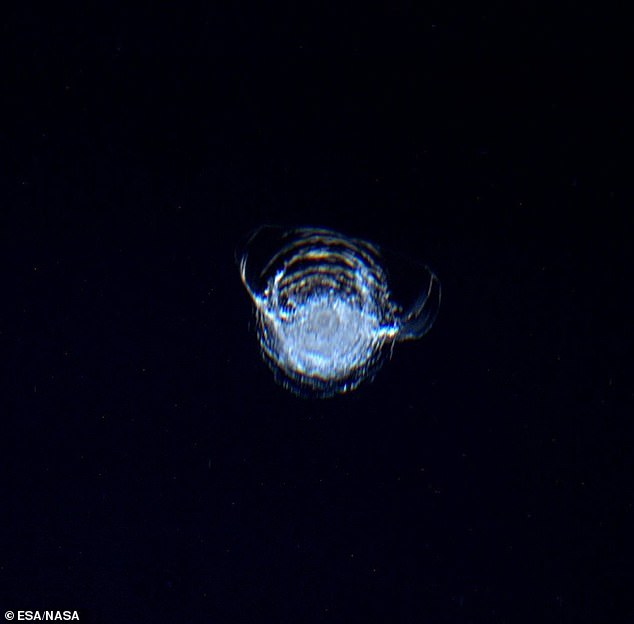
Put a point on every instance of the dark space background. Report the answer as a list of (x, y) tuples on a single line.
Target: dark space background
[(151, 469)]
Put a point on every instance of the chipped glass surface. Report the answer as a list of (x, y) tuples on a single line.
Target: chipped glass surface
[(325, 314)]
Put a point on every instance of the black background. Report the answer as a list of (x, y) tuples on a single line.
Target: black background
[(153, 471)]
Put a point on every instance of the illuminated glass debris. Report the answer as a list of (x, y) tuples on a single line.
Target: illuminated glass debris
[(325, 315)]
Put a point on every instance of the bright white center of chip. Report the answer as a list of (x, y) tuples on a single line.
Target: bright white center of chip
[(326, 337)]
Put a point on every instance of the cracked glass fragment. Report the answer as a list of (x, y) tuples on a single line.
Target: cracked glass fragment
[(326, 317)]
